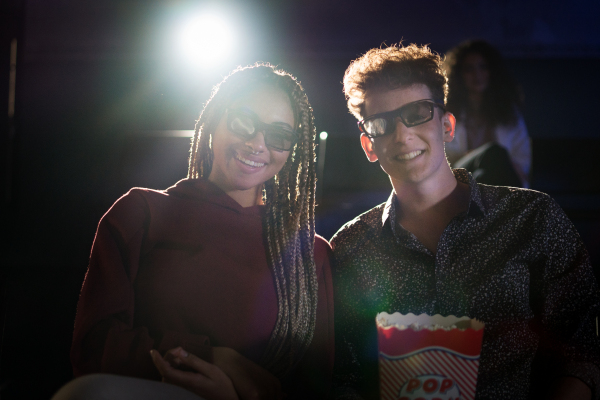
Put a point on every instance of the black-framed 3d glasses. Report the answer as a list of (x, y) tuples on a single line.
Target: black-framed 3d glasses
[(411, 114), (246, 125)]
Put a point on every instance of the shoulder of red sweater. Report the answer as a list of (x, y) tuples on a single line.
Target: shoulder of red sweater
[(181, 186), (141, 196), (322, 247), (321, 242), (135, 202), (132, 203), (138, 195), (139, 191)]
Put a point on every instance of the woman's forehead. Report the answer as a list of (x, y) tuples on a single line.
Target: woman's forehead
[(269, 103)]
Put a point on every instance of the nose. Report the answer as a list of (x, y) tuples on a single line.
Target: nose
[(256, 142), (402, 134)]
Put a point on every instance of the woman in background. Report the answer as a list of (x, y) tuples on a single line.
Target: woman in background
[(217, 285), (491, 139)]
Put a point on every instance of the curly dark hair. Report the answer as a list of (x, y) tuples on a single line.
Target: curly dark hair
[(390, 68), (502, 99), (288, 223)]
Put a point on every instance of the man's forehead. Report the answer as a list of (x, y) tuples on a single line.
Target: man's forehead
[(378, 100)]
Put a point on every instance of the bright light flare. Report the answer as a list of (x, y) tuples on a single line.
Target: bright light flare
[(207, 40), (323, 135)]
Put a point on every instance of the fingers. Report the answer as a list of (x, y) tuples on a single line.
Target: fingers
[(173, 375), (161, 364), (251, 381), (230, 370), (199, 365), (178, 358), (172, 359), (209, 381), (177, 352)]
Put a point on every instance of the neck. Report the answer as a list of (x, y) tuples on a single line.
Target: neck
[(418, 198), (245, 198), (426, 210)]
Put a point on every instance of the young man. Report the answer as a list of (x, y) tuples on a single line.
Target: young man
[(443, 244)]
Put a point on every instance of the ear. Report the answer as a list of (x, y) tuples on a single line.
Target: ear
[(449, 122), (367, 145)]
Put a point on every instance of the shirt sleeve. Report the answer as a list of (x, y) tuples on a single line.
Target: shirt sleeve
[(568, 301), (105, 338)]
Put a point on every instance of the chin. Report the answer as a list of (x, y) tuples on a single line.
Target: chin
[(243, 183), (413, 177), (245, 186)]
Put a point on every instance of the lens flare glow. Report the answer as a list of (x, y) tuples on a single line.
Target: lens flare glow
[(206, 39), (323, 135)]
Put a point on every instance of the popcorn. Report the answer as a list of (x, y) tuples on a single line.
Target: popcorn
[(428, 357)]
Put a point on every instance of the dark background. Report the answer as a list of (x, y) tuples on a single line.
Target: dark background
[(101, 94)]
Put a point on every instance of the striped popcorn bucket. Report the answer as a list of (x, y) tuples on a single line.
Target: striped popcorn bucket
[(424, 357)]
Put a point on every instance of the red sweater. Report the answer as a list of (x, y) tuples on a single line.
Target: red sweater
[(187, 267)]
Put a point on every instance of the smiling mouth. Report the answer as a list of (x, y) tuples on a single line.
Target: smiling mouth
[(409, 156), (249, 162)]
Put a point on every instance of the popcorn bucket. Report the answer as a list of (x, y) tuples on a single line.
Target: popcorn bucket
[(428, 357)]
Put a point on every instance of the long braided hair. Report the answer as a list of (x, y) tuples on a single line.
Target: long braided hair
[(288, 223)]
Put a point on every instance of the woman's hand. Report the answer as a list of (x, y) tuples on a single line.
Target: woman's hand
[(251, 381), (194, 374)]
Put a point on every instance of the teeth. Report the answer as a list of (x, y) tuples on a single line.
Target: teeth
[(410, 155), (249, 162)]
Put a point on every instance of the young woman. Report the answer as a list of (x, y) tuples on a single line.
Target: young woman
[(218, 284), (490, 130)]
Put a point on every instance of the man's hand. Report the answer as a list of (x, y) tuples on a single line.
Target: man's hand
[(194, 374), (251, 381)]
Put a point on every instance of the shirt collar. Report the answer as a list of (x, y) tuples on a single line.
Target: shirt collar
[(389, 209), (476, 205)]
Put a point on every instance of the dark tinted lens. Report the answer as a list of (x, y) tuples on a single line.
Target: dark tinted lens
[(416, 113), (247, 126), (279, 139), (376, 126), (240, 124), (412, 114)]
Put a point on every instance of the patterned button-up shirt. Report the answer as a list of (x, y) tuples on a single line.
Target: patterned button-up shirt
[(513, 260)]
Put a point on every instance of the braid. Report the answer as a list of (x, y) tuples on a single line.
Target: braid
[(201, 156), (288, 223), (297, 196)]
